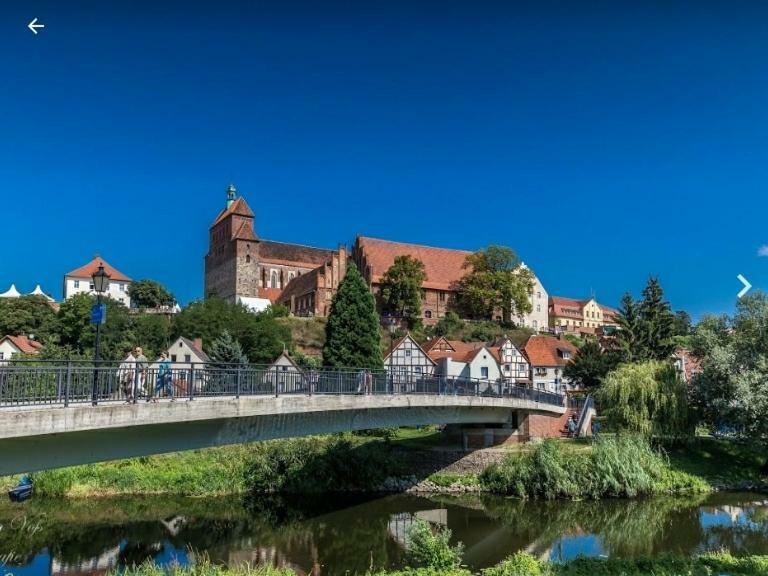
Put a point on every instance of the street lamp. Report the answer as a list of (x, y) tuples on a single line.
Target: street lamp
[(100, 285)]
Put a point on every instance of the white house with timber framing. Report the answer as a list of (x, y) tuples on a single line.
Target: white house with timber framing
[(408, 361), (513, 364)]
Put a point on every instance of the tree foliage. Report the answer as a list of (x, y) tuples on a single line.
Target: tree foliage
[(262, 338), (648, 398), (401, 288), (590, 365), (27, 315), (646, 327), (352, 337), (732, 389), (226, 350), (495, 281), (149, 294)]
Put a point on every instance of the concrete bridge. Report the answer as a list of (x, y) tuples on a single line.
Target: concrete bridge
[(67, 427)]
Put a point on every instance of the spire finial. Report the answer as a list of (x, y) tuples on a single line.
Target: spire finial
[(231, 194)]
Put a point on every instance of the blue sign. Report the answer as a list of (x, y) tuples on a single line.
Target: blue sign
[(99, 314)]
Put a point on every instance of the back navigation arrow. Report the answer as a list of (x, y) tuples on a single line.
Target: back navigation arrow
[(34, 25)]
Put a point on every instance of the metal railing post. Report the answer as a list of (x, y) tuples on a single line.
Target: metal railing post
[(239, 372), (277, 384), (191, 386), (67, 383)]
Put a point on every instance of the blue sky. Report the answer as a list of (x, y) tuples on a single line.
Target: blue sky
[(603, 141)]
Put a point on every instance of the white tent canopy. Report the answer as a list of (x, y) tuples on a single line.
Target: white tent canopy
[(11, 292), (38, 291), (254, 304)]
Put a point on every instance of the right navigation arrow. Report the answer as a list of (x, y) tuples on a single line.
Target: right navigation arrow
[(746, 283)]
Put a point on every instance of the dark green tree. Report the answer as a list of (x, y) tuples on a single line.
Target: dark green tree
[(401, 288), (656, 323), (352, 337), (590, 365), (265, 339), (448, 324), (629, 333), (261, 336), (226, 350), (152, 332), (28, 315), (76, 332), (682, 325), (495, 281), (149, 294)]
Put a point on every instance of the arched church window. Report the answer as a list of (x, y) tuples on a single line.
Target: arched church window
[(274, 279), (247, 258)]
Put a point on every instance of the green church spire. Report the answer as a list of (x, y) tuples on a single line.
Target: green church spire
[(231, 194)]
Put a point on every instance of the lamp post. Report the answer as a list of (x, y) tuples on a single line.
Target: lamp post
[(98, 316)]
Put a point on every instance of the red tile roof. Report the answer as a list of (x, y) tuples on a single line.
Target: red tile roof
[(444, 266), (545, 351), (272, 252), (239, 207), (462, 351), (568, 307), (271, 294), (90, 269), (24, 344)]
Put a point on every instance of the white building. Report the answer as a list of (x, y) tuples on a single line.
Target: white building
[(408, 361), (81, 281), (458, 359), (548, 356), (513, 363), (538, 317), (10, 346), (185, 352)]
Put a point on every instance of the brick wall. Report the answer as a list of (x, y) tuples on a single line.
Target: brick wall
[(544, 425)]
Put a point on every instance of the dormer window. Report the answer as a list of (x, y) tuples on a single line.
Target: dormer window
[(565, 354)]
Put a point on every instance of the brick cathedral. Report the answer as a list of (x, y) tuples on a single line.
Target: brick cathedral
[(241, 267)]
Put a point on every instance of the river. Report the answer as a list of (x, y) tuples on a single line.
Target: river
[(332, 535)]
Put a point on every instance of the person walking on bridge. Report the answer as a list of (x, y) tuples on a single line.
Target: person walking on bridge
[(164, 382)]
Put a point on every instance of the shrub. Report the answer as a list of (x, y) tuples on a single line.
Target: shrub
[(432, 549), (624, 466), (318, 464), (519, 564)]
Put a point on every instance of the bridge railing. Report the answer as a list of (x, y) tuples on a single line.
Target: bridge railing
[(73, 382)]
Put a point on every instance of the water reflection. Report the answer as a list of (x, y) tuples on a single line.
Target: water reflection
[(328, 535)]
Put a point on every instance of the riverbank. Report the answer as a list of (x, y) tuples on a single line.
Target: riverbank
[(413, 460)]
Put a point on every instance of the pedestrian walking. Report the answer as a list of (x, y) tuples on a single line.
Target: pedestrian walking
[(126, 376), (572, 427), (164, 383), (141, 371)]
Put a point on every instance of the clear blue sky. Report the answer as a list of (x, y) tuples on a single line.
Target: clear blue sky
[(603, 141)]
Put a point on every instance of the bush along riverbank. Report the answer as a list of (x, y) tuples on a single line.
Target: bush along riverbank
[(621, 466)]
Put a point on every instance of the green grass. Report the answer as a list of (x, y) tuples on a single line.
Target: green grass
[(720, 462), (213, 471), (448, 479)]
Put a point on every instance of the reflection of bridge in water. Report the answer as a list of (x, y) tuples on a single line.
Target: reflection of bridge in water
[(50, 418)]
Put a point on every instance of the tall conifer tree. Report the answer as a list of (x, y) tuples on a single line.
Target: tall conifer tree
[(352, 338)]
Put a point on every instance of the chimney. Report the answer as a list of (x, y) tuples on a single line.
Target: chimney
[(199, 343)]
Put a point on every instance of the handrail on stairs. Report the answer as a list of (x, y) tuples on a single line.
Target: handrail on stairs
[(589, 403)]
